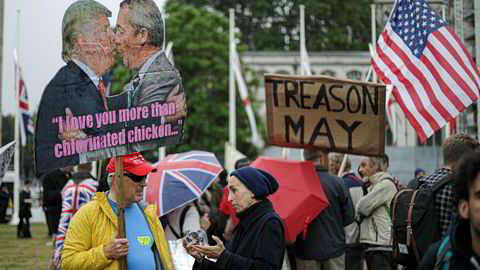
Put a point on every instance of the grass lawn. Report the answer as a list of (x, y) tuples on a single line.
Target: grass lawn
[(22, 253)]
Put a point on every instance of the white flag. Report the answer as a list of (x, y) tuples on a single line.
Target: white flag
[(304, 61), (242, 88)]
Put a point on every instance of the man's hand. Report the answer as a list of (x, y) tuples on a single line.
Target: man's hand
[(180, 105), (191, 250), (211, 251), (71, 134), (116, 249)]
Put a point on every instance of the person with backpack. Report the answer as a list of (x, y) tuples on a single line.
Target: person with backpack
[(460, 249), (422, 214), (373, 209), (78, 191), (453, 148)]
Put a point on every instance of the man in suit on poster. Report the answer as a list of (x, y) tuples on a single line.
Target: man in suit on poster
[(139, 39), (77, 88)]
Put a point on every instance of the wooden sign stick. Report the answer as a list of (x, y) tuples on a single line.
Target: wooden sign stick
[(120, 205)]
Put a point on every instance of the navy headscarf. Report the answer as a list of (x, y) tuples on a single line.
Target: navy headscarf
[(260, 182)]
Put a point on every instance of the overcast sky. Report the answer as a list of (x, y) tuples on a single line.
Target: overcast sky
[(40, 45)]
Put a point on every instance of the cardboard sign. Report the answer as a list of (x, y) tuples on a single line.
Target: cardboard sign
[(343, 116)]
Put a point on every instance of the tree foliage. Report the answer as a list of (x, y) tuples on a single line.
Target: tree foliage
[(274, 24), (200, 49)]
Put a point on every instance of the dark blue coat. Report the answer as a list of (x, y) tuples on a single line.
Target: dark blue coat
[(258, 242)]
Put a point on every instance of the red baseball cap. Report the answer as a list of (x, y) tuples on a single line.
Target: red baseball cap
[(132, 163)]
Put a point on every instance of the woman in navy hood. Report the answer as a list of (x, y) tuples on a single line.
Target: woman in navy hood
[(258, 241)]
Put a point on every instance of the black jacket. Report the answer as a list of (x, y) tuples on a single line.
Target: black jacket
[(25, 206), (328, 226), (53, 183), (463, 256), (258, 242), (70, 88), (3, 199)]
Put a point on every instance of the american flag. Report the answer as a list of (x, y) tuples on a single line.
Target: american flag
[(26, 126), (181, 179), (73, 197), (433, 75)]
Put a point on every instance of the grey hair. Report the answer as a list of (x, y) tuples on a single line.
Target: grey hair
[(78, 20), (145, 14), (377, 163), (110, 179), (337, 158)]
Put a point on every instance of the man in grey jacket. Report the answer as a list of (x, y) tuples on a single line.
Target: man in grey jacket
[(373, 210), (324, 246), (139, 40)]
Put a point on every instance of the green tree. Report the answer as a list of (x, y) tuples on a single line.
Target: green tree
[(200, 48), (274, 24)]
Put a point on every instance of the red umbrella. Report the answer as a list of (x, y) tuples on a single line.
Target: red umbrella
[(300, 197)]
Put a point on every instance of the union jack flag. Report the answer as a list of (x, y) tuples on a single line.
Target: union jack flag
[(73, 196), (181, 179), (433, 75), (26, 125)]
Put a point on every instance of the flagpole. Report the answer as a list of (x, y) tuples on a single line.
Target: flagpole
[(2, 5), (302, 39), (373, 8), (16, 161), (447, 126), (303, 65), (477, 57), (231, 83)]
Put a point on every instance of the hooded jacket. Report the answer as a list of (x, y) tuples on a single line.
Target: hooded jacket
[(93, 227), (463, 256), (374, 210)]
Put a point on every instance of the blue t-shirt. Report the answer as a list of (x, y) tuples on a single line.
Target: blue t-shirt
[(140, 240)]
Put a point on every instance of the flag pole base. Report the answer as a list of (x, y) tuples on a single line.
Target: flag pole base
[(15, 220)]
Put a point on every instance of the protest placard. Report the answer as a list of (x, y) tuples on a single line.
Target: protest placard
[(78, 121), (337, 115)]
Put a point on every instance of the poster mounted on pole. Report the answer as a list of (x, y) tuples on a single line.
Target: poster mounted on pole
[(78, 121), (331, 114)]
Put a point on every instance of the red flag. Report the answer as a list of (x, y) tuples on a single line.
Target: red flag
[(433, 75)]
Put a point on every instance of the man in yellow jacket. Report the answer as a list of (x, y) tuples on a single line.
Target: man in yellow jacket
[(91, 241)]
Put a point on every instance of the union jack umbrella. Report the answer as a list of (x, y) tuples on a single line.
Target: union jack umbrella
[(181, 179)]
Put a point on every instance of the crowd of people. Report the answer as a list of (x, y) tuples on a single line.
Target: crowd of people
[(239, 229), (233, 225)]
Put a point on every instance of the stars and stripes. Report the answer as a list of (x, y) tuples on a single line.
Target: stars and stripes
[(180, 179), (433, 75)]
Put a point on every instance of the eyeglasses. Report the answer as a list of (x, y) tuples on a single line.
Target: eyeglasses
[(136, 178)]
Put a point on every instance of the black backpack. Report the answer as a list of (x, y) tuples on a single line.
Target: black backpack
[(414, 224)]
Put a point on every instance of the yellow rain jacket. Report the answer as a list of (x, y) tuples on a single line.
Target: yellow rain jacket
[(93, 227)]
